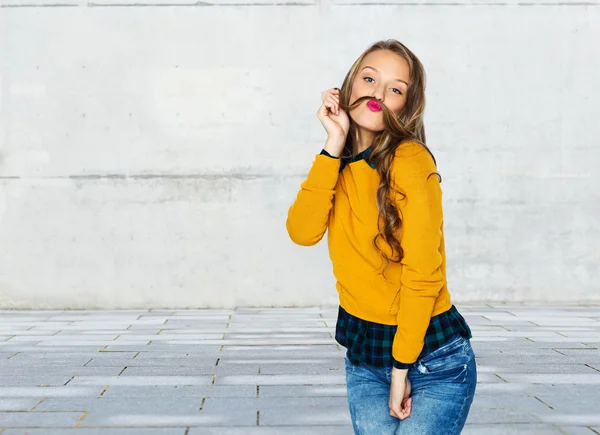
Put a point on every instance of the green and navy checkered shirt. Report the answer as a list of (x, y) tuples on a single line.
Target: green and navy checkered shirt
[(371, 342)]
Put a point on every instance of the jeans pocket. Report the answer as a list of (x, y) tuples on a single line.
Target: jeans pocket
[(450, 357)]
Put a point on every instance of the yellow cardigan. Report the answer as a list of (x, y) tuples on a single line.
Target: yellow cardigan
[(345, 202)]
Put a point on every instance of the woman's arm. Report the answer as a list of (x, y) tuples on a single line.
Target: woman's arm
[(308, 216), (422, 277)]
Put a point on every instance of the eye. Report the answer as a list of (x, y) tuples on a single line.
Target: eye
[(394, 90), (369, 78)]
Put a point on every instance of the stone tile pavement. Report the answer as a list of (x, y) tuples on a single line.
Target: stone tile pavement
[(273, 371)]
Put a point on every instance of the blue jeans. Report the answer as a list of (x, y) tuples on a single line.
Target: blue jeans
[(443, 385)]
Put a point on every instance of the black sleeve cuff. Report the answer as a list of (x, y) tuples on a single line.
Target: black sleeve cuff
[(400, 365), (327, 154)]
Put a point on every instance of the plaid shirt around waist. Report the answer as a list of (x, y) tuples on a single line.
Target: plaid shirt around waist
[(371, 342)]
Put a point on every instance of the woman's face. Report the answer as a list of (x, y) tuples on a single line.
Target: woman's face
[(383, 75)]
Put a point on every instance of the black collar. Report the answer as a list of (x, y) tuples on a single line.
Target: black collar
[(364, 154)]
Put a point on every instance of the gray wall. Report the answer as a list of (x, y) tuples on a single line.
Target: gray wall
[(149, 150)]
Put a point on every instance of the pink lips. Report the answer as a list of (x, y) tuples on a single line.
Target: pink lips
[(373, 106)]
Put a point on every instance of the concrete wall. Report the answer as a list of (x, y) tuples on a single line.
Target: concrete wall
[(149, 150)]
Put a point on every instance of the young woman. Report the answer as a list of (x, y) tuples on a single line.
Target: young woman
[(410, 367)]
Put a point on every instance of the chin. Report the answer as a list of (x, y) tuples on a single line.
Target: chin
[(375, 127), (369, 122)]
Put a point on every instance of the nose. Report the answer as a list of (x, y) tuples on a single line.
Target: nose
[(378, 93)]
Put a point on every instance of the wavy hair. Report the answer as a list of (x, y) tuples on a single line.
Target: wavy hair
[(407, 125)]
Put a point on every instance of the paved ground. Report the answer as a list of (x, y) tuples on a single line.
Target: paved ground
[(272, 371)]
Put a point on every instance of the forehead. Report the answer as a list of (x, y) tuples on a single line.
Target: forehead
[(388, 64)]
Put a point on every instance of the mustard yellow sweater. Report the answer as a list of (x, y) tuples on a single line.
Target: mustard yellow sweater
[(345, 203)]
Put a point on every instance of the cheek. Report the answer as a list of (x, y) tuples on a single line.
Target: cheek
[(398, 105), (358, 90)]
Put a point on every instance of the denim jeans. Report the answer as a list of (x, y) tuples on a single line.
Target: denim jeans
[(443, 385)]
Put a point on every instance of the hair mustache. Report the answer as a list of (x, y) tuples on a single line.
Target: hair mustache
[(390, 118), (358, 101)]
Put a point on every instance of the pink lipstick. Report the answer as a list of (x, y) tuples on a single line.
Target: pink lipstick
[(373, 106)]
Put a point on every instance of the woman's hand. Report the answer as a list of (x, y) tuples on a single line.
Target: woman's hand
[(400, 402), (335, 121)]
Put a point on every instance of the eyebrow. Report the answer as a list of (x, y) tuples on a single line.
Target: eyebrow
[(375, 69)]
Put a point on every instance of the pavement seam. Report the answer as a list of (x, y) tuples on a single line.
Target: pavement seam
[(37, 404), (593, 368), (542, 402), (500, 377), (78, 422)]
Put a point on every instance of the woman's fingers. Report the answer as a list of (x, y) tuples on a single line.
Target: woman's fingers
[(335, 106), (326, 94), (404, 410), (330, 93), (324, 109), (331, 100), (407, 405), (334, 103), (331, 106)]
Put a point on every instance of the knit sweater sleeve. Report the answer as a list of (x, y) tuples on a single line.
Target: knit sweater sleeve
[(422, 277), (308, 216)]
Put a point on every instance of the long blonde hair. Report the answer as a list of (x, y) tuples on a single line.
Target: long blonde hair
[(407, 125)]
